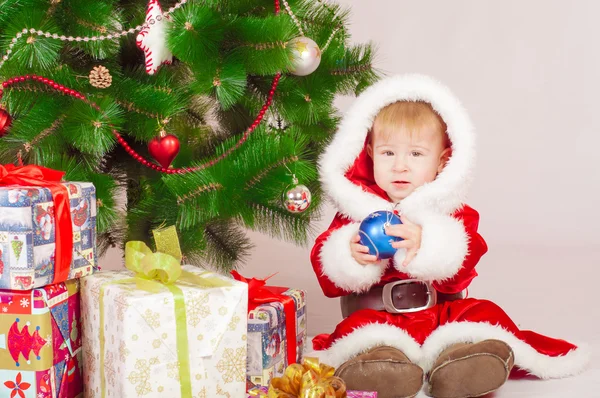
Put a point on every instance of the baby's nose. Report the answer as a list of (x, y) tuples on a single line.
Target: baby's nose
[(400, 164)]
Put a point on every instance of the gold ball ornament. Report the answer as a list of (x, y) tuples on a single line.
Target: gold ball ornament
[(306, 56)]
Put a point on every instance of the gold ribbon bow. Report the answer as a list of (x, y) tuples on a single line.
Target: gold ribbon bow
[(307, 380), (153, 273)]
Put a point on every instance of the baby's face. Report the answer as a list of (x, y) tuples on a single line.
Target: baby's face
[(402, 161)]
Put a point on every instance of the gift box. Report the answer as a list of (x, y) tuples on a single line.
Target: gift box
[(47, 234), (262, 391), (361, 394), (146, 338), (40, 341), (274, 341)]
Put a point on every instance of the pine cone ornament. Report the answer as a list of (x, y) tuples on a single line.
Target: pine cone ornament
[(100, 77)]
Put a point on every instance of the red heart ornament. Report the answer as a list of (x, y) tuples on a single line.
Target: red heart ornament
[(4, 122), (164, 149)]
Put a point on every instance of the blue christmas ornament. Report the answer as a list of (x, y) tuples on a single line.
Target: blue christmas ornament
[(372, 233)]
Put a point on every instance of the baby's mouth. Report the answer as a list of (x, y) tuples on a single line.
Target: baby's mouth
[(400, 182)]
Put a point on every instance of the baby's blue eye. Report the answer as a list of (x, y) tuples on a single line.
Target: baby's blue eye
[(416, 153), (388, 153)]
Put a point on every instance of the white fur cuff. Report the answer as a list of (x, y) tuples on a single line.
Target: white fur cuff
[(444, 247), (364, 338), (341, 268)]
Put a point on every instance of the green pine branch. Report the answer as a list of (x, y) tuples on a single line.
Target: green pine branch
[(226, 54)]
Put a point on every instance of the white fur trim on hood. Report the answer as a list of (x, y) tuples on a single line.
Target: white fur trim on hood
[(341, 268), (526, 357), (444, 195)]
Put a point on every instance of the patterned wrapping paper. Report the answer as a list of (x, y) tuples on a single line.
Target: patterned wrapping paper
[(361, 394), (27, 234), (140, 355), (40, 342), (267, 339)]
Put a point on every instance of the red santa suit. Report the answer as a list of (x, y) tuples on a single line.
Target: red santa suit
[(450, 247)]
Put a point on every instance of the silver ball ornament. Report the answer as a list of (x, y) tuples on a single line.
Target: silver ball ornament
[(297, 198), (306, 56)]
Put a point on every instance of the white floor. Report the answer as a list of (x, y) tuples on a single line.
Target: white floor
[(585, 385)]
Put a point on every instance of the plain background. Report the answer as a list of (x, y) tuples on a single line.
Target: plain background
[(529, 74)]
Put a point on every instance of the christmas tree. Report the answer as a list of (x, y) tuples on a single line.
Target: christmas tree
[(203, 114)]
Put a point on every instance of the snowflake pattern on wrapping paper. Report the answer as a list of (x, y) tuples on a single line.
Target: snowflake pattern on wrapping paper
[(109, 366), (140, 376), (221, 392), (173, 370), (121, 305), (152, 318), (233, 323), (95, 293), (197, 308), (123, 351), (232, 365), (24, 303), (90, 358)]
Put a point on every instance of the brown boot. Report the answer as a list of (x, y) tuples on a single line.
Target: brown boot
[(385, 370), (471, 370)]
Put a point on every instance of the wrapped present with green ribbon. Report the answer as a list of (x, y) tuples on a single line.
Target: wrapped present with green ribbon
[(160, 329)]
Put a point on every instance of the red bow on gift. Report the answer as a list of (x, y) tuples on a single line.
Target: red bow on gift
[(259, 293), (63, 234)]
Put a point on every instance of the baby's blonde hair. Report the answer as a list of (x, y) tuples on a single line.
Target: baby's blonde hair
[(411, 115)]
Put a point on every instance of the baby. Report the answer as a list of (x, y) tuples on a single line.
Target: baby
[(408, 144)]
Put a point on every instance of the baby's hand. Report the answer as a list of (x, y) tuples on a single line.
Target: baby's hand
[(411, 233), (361, 253)]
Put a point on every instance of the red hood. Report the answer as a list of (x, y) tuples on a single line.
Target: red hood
[(361, 174), (347, 170)]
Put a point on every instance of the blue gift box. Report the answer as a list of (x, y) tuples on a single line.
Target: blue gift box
[(267, 338), (27, 234)]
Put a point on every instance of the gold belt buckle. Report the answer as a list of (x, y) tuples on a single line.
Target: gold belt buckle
[(388, 300)]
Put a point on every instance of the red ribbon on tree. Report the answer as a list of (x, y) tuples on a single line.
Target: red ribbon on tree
[(63, 233), (259, 293)]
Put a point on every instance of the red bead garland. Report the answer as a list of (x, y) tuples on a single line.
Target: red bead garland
[(129, 149)]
